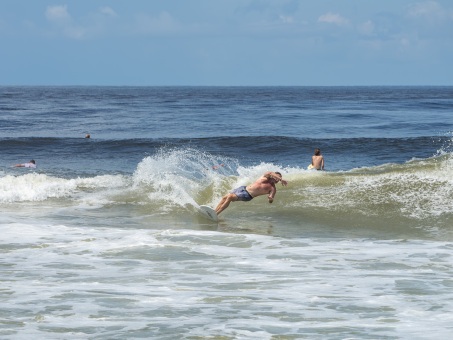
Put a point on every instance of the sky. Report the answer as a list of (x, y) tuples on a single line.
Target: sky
[(226, 42)]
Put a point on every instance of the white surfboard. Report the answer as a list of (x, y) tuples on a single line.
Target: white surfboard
[(208, 212)]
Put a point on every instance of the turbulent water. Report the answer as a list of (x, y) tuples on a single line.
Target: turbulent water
[(104, 239)]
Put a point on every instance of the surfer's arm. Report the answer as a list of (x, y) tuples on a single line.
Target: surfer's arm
[(271, 195), (276, 177), (273, 175)]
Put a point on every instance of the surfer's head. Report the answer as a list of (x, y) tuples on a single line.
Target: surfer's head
[(279, 179)]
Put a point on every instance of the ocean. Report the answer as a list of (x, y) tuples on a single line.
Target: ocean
[(104, 240)]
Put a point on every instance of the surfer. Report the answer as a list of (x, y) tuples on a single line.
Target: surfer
[(317, 160), (31, 164), (265, 185)]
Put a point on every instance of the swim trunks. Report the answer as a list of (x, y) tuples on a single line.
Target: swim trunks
[(242, 194)]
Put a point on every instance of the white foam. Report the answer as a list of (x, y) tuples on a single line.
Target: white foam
[(178, 176), (40, 187), (93, 280)]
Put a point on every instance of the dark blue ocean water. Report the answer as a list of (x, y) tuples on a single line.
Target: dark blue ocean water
[(104, 240), (353, 126)]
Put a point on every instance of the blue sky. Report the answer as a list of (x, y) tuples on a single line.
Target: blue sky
[(226, 42)]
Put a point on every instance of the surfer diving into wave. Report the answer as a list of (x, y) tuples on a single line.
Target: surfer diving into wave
[(265, 185)]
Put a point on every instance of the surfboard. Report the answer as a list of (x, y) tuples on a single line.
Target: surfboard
[(208, 212)]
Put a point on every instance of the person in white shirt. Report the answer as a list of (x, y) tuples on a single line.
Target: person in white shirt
[(31, 164)]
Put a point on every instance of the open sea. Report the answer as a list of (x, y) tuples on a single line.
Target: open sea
[(104, 240)]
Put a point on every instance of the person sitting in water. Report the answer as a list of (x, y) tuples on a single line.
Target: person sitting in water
[(265, 185), (31, 164), (317, 161)]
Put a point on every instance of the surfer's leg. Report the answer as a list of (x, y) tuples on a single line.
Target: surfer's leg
[(225, 202)]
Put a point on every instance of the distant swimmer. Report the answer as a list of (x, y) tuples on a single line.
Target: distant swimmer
[(317, 161), (215, 167), (265, 185), (87, 135), (31, 164)]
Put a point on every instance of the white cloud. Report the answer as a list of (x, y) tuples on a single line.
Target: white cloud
[(163, 23), (426, 9), (108, 11), (286, 19), (58, 14), (333, 18), (367, 28), (431, 11), (431, 21), (89, 26)]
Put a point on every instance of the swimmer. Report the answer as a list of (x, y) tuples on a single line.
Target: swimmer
[(317, 161), (31, 164)]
